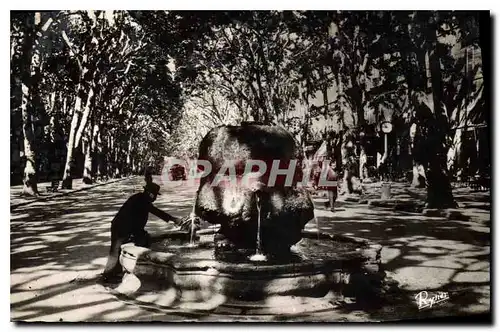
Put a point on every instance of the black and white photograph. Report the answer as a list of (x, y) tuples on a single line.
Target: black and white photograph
[(250, 166)]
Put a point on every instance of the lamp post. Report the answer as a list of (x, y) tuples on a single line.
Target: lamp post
[(362, 155), (386, 128)]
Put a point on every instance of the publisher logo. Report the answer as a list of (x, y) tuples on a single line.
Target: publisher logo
[(424, 300)]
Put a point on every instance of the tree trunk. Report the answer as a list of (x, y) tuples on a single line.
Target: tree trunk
[(67, 182), (453, 155), (89, 151), (485, 42), (85, 116), (99, 148), (326, 102), (79, 120), (29, 179), (107, 160), (439, 193), (27, 84), (87, 171), (129, 156), (113, 170), (134, 166), (118, 164)]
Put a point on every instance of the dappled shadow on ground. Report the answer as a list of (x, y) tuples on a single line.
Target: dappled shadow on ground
[(59, 247), (18, 199), (422, 254)]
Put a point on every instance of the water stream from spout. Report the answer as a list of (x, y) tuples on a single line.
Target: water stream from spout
[(192, 216), (258, 256)]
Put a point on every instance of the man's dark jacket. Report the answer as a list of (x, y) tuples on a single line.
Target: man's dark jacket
[(128, 224), (133, 216)]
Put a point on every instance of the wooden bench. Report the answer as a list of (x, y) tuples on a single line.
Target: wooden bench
[(54, 185)]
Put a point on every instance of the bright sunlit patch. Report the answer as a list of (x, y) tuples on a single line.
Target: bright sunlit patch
[(388, 254), (485, 266), (56, 238), (19, 216), (472, 277), (27, 248), (422, 277)]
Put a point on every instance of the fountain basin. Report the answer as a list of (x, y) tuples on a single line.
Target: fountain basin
[(320, 269)]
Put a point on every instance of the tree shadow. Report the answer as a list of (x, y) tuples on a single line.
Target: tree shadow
[(58, 247), (422, 254), (67, 238)]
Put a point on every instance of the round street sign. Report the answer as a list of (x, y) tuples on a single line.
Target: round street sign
[(386, 127)]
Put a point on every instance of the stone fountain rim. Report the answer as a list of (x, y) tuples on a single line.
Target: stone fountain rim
[(369, 251), (160, 283)]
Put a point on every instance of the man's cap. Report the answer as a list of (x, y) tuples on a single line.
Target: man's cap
[(152, 188)]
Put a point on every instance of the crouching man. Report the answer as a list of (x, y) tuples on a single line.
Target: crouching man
[(128, 226)]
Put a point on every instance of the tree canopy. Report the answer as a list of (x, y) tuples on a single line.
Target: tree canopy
[(105, 93)]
